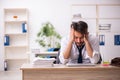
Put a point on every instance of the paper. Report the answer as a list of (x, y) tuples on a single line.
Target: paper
[(43, 61)]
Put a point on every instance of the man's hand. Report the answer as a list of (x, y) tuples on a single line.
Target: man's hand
[(88, 46), (66, 53), (86, 38), (72, 35)]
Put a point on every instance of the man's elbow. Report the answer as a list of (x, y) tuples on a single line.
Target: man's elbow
[(63, 60), (96, 59)]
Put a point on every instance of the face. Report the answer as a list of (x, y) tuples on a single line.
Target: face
[(78, 38)]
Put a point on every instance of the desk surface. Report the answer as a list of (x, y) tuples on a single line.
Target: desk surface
[(63, 67), (62, 72)]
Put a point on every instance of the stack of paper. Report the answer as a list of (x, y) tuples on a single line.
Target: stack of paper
[(43, 61)]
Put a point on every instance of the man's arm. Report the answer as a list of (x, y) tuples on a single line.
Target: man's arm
[(66, 53), (92, 49), (88, 46)]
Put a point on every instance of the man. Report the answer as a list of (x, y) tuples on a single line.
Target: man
[(79, 46)]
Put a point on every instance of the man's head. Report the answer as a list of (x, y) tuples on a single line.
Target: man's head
[(80, 30)]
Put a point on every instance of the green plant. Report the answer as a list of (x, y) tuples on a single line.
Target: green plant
[(47, 37)]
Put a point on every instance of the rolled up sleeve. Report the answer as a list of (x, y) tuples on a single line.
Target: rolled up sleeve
[(95, 58), (62, 60), (96, 53)]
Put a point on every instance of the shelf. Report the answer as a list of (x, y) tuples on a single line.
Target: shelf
[(15, 64), (22, 58), (13, 34), (15, 9), (109, 11), (16, 36), (15, 21), (16, 58), (110, 18), (88, 18), (16, 46), (15, 14)]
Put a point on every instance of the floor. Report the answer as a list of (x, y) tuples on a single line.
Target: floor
[(10, 75)]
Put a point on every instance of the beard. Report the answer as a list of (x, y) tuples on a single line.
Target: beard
[(79, 44)]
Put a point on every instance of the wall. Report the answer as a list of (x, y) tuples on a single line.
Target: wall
[(58, 12)]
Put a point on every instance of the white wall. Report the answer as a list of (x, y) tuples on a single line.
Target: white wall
[(58, 12)]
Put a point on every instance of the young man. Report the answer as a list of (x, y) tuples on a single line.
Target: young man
[(79, 46)]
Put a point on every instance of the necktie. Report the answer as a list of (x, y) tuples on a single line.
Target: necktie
[(80, 54)]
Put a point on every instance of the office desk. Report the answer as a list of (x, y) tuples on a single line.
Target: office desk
[(62, 72)]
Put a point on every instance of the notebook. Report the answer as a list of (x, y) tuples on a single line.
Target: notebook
[(78, 65)]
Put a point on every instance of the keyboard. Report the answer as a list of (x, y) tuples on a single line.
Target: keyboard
[(78, 65)]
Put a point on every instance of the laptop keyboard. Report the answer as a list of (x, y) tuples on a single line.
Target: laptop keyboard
[(78, 65)]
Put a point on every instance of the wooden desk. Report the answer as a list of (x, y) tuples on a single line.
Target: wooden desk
[(61, 72)]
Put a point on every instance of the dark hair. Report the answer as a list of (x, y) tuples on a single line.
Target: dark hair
[(80, 26)]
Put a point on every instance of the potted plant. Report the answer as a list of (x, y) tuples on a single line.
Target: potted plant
[(47, 37)]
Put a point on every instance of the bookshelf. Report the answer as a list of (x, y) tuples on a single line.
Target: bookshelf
[(110, 19), (103, 20), (15, 37)]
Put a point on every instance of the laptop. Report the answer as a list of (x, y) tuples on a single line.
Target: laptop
[(78, 65)]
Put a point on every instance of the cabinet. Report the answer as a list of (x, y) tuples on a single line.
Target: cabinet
[(109, 18), (103, 20), (15, 37)]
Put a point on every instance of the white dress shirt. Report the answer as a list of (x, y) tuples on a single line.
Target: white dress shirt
[(74, 51)]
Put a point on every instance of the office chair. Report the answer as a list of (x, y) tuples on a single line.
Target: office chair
[(100, 60), (57, 58)]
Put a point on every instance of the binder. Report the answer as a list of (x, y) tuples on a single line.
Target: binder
[(101, 40), (24, 27), (116, 39), (6, 40)]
